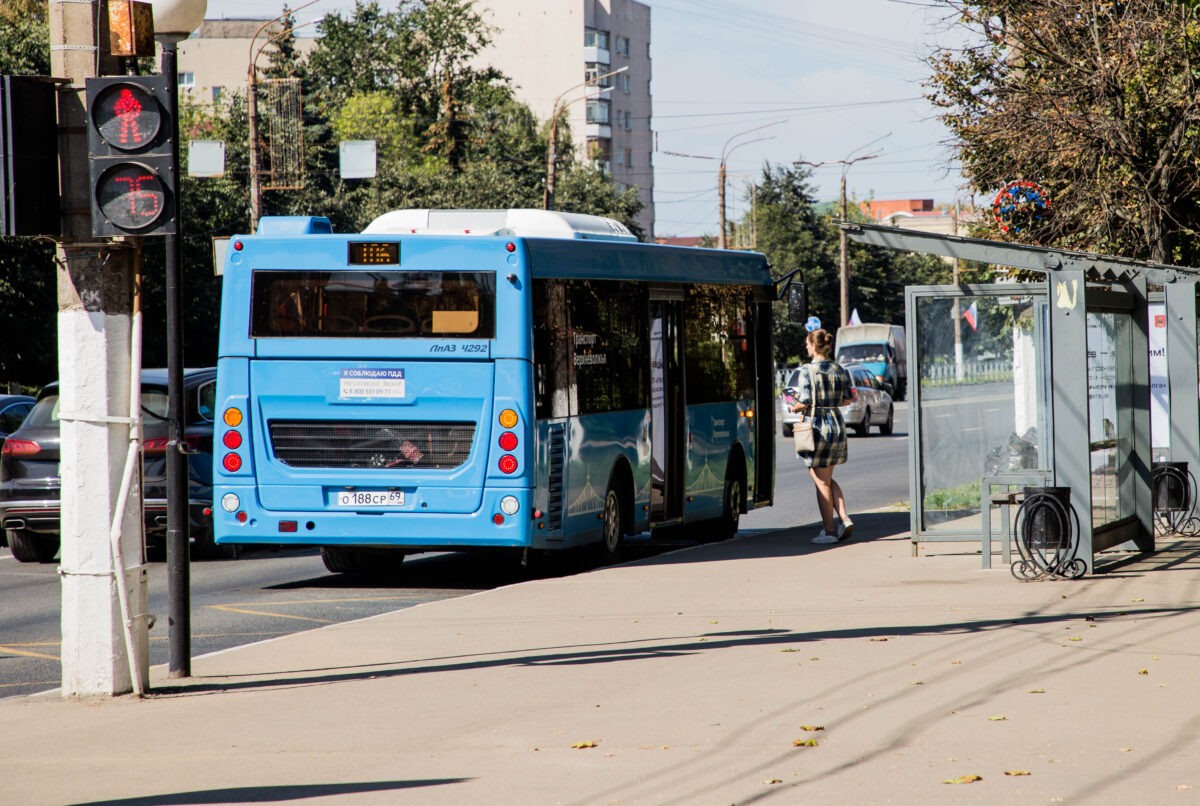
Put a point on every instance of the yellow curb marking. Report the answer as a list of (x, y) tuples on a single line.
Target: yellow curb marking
[(26, 653), (248, 612)]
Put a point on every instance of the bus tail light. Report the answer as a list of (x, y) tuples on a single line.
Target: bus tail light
[(508, 441), (232, 440), (232, 462), (509, 505), (232, 417), (508, 463), (230, 502), (498, 519), (508, 418)]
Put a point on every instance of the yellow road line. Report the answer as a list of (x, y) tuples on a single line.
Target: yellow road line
[(32, 683), (248, 612), (12, 650)]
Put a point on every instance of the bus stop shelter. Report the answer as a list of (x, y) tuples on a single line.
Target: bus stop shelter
[(1081, 388)]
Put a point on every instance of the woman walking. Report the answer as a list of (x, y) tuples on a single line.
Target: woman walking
[(824, 386)]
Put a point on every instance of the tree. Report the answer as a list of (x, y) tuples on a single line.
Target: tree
[(1098, 103)]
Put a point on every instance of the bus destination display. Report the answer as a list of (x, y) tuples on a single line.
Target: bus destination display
[(373, 253)]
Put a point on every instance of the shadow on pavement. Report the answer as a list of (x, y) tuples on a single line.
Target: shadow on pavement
[(272, 794)]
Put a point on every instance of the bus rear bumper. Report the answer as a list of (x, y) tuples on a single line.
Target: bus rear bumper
[(488, 526)]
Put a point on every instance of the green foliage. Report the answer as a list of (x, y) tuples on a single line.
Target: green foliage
[(796, 233), (1097, 103), (24, 38), (962, 497)]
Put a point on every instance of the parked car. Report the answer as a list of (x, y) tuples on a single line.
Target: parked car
[(871, 406), (13, 409), (30, 483)]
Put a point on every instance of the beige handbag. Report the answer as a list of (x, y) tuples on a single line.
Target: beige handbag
[(802, 433)]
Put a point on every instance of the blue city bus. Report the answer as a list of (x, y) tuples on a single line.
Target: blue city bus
[(448, 380)]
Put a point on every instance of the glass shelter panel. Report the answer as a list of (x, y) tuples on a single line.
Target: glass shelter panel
[(1110, 416), (978, 360)]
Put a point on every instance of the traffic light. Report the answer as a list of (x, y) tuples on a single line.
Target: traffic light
[(29, 197), (131, 140)]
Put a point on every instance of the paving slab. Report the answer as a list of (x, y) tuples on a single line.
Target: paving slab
[(762, 669)]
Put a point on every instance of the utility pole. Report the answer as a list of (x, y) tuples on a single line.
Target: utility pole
[(104, 650), (844, 264), (958, 350), (556, 111), (726, 153)]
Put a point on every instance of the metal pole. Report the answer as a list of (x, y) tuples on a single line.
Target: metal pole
[(178, 565), (721, 206), (844, 268), (252, 121), (551, 160)]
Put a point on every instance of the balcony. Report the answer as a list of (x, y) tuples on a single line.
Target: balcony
[(597, 55)]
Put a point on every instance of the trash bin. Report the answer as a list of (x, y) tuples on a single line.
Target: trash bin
[(1047, 518)]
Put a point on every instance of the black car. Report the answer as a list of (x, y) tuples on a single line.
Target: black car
[(29, 475)]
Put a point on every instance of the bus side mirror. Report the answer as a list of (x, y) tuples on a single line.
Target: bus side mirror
[(797, 303)]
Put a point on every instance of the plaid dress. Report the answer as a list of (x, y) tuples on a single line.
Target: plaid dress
[(823, 385)]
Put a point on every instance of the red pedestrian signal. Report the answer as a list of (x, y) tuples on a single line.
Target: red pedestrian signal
[(130, 154)]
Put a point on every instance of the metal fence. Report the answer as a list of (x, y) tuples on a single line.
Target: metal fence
[(989, 371)]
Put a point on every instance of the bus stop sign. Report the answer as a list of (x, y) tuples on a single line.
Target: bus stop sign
[(812, 324)]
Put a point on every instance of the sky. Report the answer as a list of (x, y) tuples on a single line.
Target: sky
[(775, 81)]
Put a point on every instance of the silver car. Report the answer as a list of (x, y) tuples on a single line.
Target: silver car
[(871, 406)]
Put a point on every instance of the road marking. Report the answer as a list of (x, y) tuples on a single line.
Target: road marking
[(32, 683), (249, 612), (12, 650)]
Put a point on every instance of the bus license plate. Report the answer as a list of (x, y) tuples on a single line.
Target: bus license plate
[(370, 498)]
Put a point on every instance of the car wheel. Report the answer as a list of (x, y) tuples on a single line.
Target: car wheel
[(786, 428), (30, 547), (885, 428), (864, 427), (612, 532)]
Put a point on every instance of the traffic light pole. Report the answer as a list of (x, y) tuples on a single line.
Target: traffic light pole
[(178, 565)]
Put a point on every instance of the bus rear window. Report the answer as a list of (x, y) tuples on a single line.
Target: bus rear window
[(373, 304)]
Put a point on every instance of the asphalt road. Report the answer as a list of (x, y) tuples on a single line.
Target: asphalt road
[(267, 594)]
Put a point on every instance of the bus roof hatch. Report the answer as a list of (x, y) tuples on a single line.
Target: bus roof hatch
[(516, 222)]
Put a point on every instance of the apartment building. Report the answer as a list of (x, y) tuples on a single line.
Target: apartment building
[(215, 60), (592, 58)]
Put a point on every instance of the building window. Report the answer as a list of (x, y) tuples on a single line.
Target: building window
[(628, 121), (598, 111), (216, 94), (628, 157), (620, 156), (592, 72), (625, 85), (593, 38), (187, 80), (625, 48)]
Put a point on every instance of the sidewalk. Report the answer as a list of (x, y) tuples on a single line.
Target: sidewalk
[(693, 674)]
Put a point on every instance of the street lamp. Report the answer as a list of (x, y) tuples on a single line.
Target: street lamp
[(552, 148), (844, 266), (252, 102), (175, 20), (726, 152)]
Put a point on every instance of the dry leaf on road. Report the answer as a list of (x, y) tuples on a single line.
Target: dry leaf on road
[(963, 779)]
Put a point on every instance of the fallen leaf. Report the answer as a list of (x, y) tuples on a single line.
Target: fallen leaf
[(1089, 618), (773, 781), (1016, 772), (1037, 691), (703, 639), (583, 745), (812, 728), (1143, 671), (880, 640), (916, 682), (998, 718), (804, 742), (963, 779), (789, 650), (1154, 657), (1137, 600), (1126, 749), (814, 657), (1074, 638), (955, 662)]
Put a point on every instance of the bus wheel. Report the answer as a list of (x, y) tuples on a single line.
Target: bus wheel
[(343, 560), (613, 530), (726, 526)]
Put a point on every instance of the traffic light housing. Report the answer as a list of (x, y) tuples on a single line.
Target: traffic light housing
[(131, 162), (29, 193)]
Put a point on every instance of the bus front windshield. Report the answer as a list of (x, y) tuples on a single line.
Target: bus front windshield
[(373, 304)]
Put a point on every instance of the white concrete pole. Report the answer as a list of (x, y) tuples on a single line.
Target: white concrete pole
[(95, 297)]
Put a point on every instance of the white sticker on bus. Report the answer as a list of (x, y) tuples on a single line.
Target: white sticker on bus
[(371, 383)]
